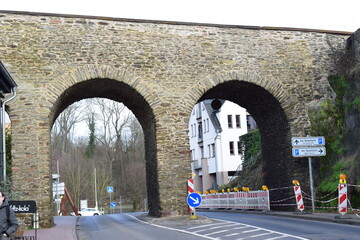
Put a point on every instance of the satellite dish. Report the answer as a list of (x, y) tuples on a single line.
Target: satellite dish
[(216, 104)]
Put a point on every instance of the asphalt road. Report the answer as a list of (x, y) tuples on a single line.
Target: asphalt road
[(305, 229), (227, 226), (123, 226)]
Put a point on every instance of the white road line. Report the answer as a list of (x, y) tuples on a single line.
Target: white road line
[(271, 231), (253, 230), (240, 228), (232, 234), (228, 222), (173, 229), (212, 228), (276, 237), (261, 234), (208, 225), (213, 233)]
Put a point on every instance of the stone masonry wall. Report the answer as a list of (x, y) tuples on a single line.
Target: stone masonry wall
[(170, 65)]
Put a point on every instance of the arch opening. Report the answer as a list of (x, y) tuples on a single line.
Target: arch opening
[(123, 93), (272, 122)]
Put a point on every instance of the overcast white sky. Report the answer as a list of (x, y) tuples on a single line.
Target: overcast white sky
[(341, 15)]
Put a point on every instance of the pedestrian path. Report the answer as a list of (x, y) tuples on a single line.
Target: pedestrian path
[(64, 229)]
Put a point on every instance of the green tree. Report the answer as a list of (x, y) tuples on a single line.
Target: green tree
[(91, 144)]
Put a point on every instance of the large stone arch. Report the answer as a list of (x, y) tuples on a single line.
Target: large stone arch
[(271, 106), (117, 85)]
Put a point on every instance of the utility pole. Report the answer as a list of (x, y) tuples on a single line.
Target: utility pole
[(95, 190), (57, 188)]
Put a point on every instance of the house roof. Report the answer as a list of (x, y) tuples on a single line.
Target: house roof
[(212, 113), (6, 81)]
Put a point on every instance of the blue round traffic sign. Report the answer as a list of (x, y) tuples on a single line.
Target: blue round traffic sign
[(194, 199)]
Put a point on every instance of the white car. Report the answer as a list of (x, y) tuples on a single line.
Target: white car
[(89, 212)]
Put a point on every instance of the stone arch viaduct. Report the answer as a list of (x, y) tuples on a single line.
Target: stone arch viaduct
[(160, 70)]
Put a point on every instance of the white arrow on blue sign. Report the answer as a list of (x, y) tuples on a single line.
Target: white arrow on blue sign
[(194, 199), (307, 141), (113, 204), (309, 152)]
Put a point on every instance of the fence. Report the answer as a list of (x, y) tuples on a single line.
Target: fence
[(261, 200), (237, 200)]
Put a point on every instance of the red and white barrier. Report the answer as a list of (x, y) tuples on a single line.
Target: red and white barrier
[(342, 199), (237, 200), (190, 187), (299, 198)]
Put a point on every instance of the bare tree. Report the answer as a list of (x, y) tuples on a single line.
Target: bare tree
[(113, 119), (62, 133), (117, 152)]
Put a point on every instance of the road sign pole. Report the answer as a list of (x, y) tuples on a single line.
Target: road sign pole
[(311, 185), (110, 203)]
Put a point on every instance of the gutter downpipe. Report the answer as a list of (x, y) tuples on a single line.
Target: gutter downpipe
[(3, 130)]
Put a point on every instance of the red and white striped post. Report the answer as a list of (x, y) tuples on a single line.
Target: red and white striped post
[(190, 187), (342, 195), (298, 196)]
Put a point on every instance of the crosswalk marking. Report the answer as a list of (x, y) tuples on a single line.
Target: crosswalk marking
[(229, 227), (261, 234), (253, 230), (210, 230), (276, 238), (213, 233), (232, 234)]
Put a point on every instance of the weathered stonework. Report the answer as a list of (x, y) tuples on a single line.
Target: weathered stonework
[(159, 70)]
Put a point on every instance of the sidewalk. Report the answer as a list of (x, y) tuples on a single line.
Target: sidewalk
[(64, 229)]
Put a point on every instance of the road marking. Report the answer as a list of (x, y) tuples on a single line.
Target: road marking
[(208, 225), (173, 229), (276, 237), (212, 228), (207, 236), (232, 234), (240, 227), (267, 230), (254, 230), (213, 233), (261, 234)]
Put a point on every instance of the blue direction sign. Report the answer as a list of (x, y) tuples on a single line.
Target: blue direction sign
[(113, 204), (194, 199), (110, 189)]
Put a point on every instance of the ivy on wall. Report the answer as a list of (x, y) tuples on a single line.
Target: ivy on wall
[(328, 120)]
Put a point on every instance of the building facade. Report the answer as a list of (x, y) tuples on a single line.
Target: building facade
[(214, 130)]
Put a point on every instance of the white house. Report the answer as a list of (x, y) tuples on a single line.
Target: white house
[(214, 130)]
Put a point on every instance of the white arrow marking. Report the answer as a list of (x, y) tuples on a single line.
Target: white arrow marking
[(196, 201)]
